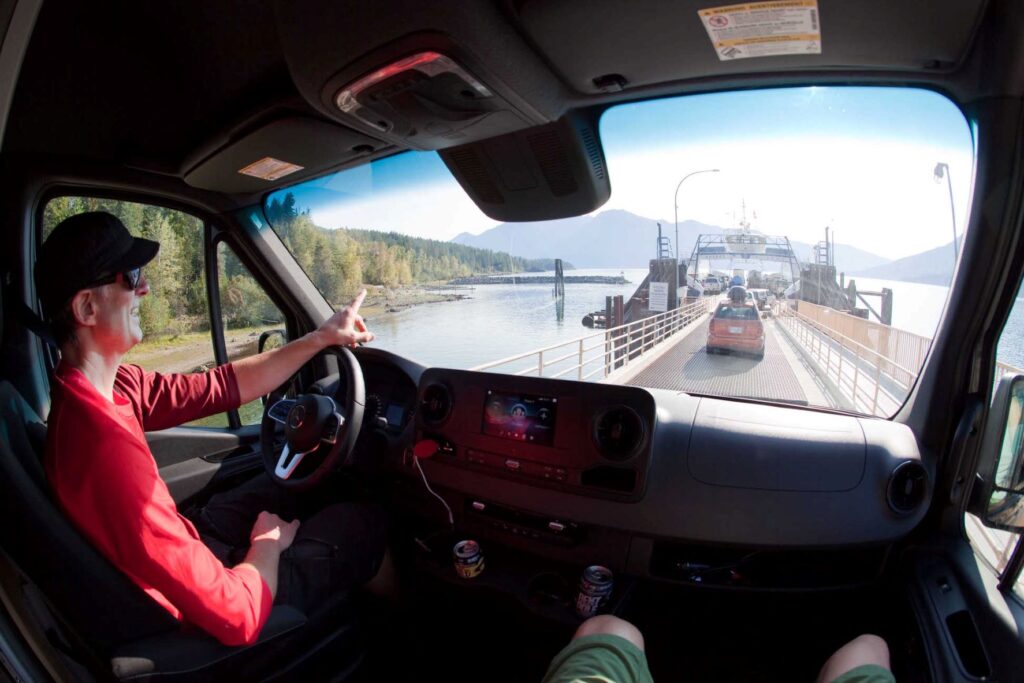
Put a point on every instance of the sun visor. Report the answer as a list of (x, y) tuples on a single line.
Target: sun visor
[(285, 151), (542, 173)]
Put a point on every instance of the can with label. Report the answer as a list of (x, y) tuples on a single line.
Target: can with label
[(595, 590), (469, 561)]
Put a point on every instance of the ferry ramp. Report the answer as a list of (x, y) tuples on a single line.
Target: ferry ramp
[(687, 366)]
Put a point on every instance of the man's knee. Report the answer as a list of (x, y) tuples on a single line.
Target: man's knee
[(609, 625), (862, 650)]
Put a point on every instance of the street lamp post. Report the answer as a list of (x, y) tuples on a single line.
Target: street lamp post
[(676, 202), (942, 170)]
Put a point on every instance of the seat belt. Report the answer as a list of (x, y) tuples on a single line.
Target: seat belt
[(31, 321)]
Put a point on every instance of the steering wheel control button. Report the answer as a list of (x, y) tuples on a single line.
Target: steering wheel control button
[(332, 427), (280, 410), (513, 465)]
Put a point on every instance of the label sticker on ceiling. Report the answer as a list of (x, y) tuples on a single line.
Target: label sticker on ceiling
[(269, 168), (763, 29)]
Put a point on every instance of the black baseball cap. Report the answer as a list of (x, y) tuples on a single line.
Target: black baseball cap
[(84, 249)]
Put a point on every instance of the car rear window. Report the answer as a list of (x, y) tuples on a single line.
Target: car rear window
[(736, 313)]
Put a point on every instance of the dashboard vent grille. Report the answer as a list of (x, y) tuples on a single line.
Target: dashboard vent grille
[(908, 484), (436, 404), (618, 433)]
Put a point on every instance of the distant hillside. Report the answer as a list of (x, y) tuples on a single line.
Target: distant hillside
[(847, 259), (611, 239), (620, 239), (932, 267), (340, 261)]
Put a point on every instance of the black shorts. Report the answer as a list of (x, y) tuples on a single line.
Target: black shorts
[(338, 547)]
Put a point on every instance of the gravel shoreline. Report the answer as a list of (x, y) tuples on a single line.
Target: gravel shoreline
[(380, 300)]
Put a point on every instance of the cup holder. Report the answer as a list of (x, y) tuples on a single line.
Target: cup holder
[(549, 589)]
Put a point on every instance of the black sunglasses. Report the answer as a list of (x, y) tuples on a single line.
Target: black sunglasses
[(131, 280)]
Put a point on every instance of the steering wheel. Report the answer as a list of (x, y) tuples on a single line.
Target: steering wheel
[(315, 426)]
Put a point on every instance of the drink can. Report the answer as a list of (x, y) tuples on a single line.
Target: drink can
[(469, 561), (595, 590)]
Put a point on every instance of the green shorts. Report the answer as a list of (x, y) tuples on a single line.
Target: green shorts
[(610, 659), (599, 658), (868, 673)]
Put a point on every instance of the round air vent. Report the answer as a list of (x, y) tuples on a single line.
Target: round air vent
[(908, 484), (436, 404), (618, 433)]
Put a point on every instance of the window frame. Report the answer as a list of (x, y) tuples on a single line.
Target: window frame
[(212, 235), (217, 236)]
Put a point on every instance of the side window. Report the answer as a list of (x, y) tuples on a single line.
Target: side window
[(175, 315), (251, 320), (995, 545)]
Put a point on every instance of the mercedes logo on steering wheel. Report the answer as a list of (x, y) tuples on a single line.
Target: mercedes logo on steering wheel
[(297, 417)]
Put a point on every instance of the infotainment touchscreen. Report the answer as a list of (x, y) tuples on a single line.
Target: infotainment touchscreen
[(520, 417)]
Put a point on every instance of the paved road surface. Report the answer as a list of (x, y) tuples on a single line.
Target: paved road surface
[(689, 368)]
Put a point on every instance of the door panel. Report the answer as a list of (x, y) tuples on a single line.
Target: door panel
[(971, 630), (203, 461)]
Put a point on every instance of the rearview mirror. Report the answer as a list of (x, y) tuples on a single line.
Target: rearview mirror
[(999, 496)]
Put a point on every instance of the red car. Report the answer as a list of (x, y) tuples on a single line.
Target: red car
[(736, 327)]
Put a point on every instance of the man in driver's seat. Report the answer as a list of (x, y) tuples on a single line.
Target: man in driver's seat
[(223, 577)]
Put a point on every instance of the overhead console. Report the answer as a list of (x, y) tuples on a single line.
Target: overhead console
[(412, 86), (548, 433), (425, 100)]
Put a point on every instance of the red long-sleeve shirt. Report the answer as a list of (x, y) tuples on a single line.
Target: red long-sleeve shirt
[(105, 477)]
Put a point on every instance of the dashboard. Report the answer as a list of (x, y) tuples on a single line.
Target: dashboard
[(654, 482)]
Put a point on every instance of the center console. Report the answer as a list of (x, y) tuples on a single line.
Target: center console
[(592, 440)]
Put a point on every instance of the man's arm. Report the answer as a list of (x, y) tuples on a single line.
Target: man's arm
[(270, 537), (260, 374)]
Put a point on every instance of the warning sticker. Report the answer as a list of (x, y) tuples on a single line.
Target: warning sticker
[(269, 168), (763, 29)]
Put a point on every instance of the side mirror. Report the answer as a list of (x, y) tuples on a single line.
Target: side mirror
[(271, 339), (998, 498)]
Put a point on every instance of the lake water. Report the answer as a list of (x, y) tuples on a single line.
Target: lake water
[(506, 320), (496, 321), (918, 309)]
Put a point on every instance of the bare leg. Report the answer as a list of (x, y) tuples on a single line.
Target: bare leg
[(609, 625), (865, 649)]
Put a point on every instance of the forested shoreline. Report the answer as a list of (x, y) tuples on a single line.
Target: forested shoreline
[(339, 262)]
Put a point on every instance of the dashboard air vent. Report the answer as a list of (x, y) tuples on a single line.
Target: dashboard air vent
[(436, 404), (618, 433), (907, 486)]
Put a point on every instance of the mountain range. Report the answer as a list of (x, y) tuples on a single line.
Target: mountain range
[(932, 267), (621, 239)]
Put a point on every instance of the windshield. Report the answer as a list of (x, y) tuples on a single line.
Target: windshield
[(847, 205)]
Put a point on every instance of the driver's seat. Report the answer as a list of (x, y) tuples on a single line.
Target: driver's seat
[(102, 620)]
